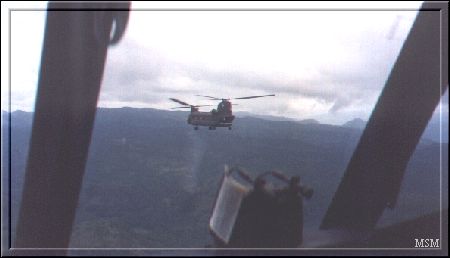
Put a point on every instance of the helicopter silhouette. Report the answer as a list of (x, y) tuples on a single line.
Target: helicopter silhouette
[(220, 117)]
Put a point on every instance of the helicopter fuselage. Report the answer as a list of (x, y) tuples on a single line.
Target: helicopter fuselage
[(211, 119), (220, 117)]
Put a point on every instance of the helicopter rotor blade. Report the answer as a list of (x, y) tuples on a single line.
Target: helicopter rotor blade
[(213, 98), (179, 101), (202, 105), (195, 106), (248, 97), (253, 97), (179, 107)]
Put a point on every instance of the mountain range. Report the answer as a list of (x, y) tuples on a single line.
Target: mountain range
[(151, 180)]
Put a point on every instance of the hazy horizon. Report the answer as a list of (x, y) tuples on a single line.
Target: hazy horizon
[(440, 113)]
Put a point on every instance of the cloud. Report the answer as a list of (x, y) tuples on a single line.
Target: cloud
[(316, 62), (134, 73), (313, 66), (334, 74)]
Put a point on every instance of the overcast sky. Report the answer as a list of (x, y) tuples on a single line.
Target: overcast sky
[(327, 65)]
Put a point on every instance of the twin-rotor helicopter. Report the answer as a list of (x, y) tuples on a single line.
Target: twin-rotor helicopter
[(220, 117)]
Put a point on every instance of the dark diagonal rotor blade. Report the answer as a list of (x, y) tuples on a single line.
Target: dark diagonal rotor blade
[(253, 97), (179, 101)]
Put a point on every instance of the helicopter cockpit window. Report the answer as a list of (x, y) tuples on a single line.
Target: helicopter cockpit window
[(303, 84)]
